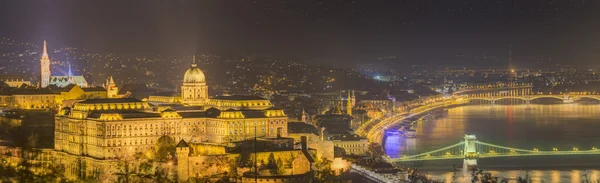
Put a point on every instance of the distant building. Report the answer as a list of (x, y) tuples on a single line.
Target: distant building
[(51, 97), (45, 68), (298, 129), (351, 143), (95, 133), (15, 80), (59, 81), (63, 81), (112, 89), (29, 98)]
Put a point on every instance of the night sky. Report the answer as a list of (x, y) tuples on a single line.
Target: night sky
[(437, 31)]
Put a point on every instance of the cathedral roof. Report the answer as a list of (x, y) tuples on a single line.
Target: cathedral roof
[(62, 81)]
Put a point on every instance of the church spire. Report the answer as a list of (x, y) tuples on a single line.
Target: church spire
[(111, 81), (45, 53), (303, 118), (349, 104), (70, 73), (45, 68)]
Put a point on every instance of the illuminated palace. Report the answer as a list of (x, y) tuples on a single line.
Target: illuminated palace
[(108, 128), (97, 132)]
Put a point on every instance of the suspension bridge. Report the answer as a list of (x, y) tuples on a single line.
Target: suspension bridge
[(470, 149)]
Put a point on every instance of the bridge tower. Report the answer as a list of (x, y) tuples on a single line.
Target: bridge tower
[(470, 152)]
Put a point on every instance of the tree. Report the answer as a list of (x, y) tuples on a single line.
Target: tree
[(478, 175), (290, 161), (23, 172), (323, 174), (375, 153), (165, 148), (280, 168), (245, 158), (126, 172), (272, 164)]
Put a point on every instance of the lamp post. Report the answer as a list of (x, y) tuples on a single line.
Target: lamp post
[(255, 160)]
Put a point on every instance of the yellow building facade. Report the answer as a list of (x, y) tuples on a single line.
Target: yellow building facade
[(352, 144), (113, 128), (28, 98)]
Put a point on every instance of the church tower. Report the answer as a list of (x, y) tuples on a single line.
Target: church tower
[(70, 76), (194, 90), (349, 104), (353, 99), (303, 118), (111, 88), (45, 68)]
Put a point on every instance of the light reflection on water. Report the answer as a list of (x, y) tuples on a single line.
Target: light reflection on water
[(563, 126)]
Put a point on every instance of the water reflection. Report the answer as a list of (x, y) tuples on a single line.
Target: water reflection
[(562, 126)]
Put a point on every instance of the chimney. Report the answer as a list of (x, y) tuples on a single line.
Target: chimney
[(303, 143)]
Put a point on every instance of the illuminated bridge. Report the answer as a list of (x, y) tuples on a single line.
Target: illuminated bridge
[(493, 97), (471, 149)]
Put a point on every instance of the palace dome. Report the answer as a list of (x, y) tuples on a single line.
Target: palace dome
[(194, 75)]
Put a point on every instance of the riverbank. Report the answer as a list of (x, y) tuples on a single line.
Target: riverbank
[(376, 133), (562, 126)]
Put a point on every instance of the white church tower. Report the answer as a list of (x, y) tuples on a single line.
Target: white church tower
[(45, 68)]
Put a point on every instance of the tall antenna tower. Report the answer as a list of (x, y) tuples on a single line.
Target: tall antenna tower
[(512, 75), (510, 57)]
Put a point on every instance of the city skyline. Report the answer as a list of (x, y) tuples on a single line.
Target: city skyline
[(310, 91), (543, 31)]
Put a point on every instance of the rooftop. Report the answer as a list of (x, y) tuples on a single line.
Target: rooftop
[(301, 127), (347, 137), (29, 91), (93, 89), (239, 97), (182, 143), (109, 100), (125, 114)]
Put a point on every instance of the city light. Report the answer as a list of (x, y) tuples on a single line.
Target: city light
[(298, 91)]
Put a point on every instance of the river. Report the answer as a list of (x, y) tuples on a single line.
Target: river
[(562, 126)]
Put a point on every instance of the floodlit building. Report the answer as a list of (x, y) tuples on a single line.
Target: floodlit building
[(111, 88), (107, 130), (15, 80), (45, 68), (63, 81), (60, 81), (194, 90), (51, 97)]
